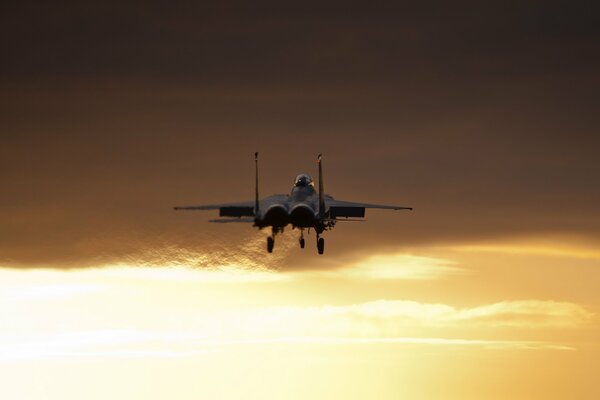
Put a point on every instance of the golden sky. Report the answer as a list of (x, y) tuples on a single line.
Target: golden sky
[(481, 116), (494, 321)]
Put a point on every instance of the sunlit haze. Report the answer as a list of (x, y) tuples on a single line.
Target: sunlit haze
[(506, 317)]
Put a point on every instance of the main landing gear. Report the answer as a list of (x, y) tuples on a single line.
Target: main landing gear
[(271, 239), (320, 244), (320, 241)]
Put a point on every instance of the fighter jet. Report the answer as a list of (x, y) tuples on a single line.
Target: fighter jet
[(304, 208)]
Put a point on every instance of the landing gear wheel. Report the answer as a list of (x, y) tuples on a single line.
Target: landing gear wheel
[(270, 244), (321, 245), (301, 243)]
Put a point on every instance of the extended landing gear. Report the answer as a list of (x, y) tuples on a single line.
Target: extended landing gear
[(271, 239), (320, 244)]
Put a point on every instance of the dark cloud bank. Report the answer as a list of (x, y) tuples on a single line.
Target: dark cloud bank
[(481, 116)]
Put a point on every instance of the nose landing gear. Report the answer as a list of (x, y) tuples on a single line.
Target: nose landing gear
[(301, 238)]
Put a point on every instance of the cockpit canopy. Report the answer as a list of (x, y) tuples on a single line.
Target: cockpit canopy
[(303, 180)]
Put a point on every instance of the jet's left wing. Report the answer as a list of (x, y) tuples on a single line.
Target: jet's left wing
[(241, 209), (339, 208)]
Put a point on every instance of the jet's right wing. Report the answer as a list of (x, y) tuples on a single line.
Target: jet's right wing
[(340, 208), (241, 209)]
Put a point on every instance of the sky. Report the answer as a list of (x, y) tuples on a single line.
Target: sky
[(481, 116)]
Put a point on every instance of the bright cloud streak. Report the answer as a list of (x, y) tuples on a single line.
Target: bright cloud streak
[(389, 318), (205, 269), (127, 344), (381, 267), (221, 274), (381, 321), (534, 249), (527, 313), (400, 266)]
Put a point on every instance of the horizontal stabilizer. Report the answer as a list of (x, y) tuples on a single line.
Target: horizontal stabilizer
[(229, 220), (345, 220), (236, 211), (357, 212), (241, 209)]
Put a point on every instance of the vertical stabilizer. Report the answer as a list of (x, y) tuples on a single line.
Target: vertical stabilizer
[(321, 192), (256, 183)]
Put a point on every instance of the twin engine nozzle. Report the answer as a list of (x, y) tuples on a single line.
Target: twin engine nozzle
[(300, 215)]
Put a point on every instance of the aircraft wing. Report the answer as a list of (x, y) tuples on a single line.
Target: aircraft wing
[(339, 208), (241, 209)]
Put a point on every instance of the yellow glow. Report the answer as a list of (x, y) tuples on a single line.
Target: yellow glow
[(215, 324), (188, 332)]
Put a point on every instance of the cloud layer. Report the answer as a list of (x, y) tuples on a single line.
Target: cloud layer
[(382, 321)]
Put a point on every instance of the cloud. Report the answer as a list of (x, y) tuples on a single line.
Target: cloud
[(138, 344), (375, 322), (248, 264), (535, 248), (389, 318), (215, 253), (521, 314), (397, 266), (216, 274), (49, 292)]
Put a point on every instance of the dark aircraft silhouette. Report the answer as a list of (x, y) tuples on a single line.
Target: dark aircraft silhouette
[(303, 208)]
